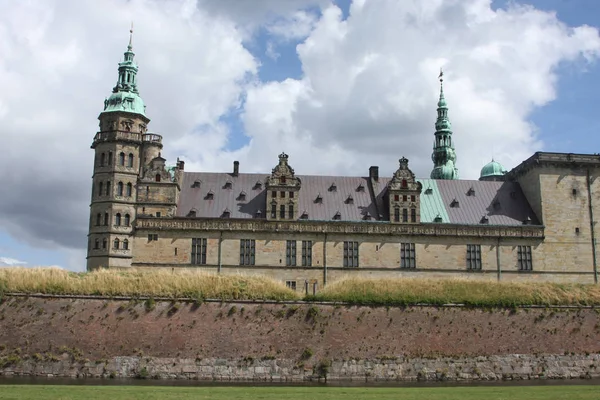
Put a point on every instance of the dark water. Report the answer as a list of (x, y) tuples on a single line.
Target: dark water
[(208, 383)]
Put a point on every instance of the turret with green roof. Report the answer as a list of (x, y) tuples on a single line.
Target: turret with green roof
[(444, 155), (492, 171)]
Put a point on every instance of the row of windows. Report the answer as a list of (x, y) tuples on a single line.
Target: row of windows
[(117, 244), (119, 219), (106, 159), (282, 194), (122, 189), (413, 215), (405, 197), (282, 210)]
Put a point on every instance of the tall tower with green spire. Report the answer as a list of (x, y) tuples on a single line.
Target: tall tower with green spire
[(444, 155), (123, 150)]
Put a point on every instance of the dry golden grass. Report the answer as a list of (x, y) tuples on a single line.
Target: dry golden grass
[(405, 291), (194, 284)]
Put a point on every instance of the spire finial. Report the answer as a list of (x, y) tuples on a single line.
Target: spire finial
[(441, 76), (129, 47)]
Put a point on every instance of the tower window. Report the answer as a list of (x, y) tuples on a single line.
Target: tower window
[(282, 211), (105, 219), (116, 244), (405, 215), (120, 189), (97, 244), (404, 183), (273, 210), (413, 215), (396, 197), (108, 188), (121, 158), (282, 194), (291, 211), (157, 178), (404, 197), (273, 194), (125, 244), (98, 219), (127, 219), (396, 215), (110, 158), (291, 195), (102, 159), (118, 219), (104, 243), (129, 189), (413, 198), (130, 160), (100, 187), (282, 180)]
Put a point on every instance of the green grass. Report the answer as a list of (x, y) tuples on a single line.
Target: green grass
[(49, 392)]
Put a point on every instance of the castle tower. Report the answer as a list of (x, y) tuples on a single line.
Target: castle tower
[(283, 188), (444, 155), (119, 147)]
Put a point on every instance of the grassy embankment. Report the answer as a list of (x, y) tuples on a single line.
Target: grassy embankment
[(204, 285), (297, 393)]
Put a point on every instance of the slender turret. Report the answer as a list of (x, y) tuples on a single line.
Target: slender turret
[(444, 155)]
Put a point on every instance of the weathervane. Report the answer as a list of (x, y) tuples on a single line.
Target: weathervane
[(441, 76)]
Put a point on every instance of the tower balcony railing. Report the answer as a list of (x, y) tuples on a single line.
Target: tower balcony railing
[(111, 136)]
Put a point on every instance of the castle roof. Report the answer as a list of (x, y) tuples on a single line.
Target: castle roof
[(492, 168), (322, 197)]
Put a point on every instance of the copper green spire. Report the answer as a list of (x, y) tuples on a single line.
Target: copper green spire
[(444, 155), (125, 96)]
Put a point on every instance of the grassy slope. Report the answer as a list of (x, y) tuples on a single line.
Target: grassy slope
[(203, 285), (297, 393)]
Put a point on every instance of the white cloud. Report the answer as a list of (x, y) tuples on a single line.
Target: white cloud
[(7, 261), (367, 96)]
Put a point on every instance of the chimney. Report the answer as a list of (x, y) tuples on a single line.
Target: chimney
[(374, 173), (236, 168), (180, 164)]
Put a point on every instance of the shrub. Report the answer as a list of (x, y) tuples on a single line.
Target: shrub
[(306, 354)]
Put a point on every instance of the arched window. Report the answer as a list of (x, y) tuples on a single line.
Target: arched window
[(102, 159), (118, 219), (116, 244), (110, 158), (130, 161), (125, 244), (100, 186), (127, 219), (106, 219), (120, 189), (129, 189), (98, 219), (104, 243), (97, 244), (107, 188), (157, 178), (121, 158)]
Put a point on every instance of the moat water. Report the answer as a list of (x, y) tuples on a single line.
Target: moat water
[(207, 383)]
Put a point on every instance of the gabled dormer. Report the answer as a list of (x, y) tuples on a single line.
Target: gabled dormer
[(404, 193), (283, 188)]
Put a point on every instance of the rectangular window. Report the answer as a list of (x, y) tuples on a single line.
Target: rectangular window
[(408, 257), (291, 211), (351, 254), (198, 251), (273, 194), (524, 258), (282, 195), (307, 253), (290, 253), (152, 236), (397, 215), (291, 284), (404, 197), (247, 251), (412, 198), (396, 197), (413, 215), (291, 195), (273, 211), (282, 211), (474, 257), (405, 215)]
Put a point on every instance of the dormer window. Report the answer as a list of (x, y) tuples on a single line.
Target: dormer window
[(242, 196), (367, 216), (496, 204), (360, 188), (333, 187), (337, 216), (282, 180), (258, 214), (304, 215), (404, 183), (484, 220), (258, 185), (438, 219), (210, 195), (226, 213), (428, 190), (157, 178), (228, 185), (319, 199), (349, 200), (196, 184), (454, 204), (471, 191), (527, 221), (192, 213)]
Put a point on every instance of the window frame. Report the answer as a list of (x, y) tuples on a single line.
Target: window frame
[(198, 251), (247, 252), (473, 257), (351, 254), (307, 253), (408, 255), (290, 253), (524, 258)]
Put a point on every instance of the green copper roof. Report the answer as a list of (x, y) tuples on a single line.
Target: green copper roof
[(125, 96), (492, 168), (432, 204)]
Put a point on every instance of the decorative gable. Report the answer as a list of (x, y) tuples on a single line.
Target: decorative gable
[(403, 194), (283, 186)]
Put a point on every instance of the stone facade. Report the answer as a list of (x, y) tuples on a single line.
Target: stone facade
[(300, 228)]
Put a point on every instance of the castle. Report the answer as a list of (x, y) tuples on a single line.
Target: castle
[(535, 222)]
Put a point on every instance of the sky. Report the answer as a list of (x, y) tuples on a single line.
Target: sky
[(339, 85)]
